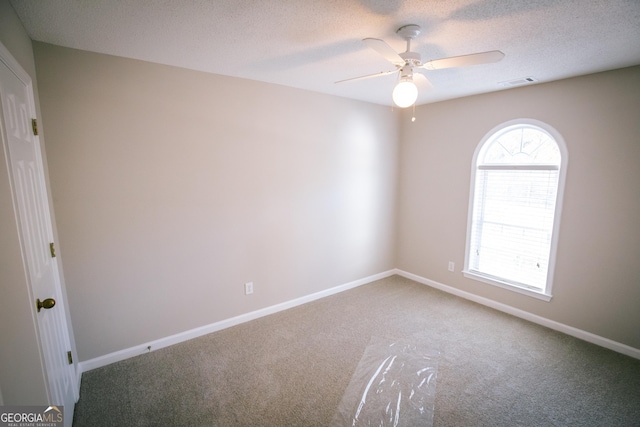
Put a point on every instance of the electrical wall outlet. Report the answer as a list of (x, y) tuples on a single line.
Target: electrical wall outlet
[(248, 288), (452, 266)]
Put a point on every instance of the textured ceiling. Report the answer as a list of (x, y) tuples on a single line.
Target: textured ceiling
[(310, 44)]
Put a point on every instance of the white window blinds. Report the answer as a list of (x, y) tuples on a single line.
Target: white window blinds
[(513, 224)]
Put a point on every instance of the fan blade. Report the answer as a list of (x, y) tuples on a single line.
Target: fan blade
[(385, 50), (381, 73), (464, 60), (422, 79)]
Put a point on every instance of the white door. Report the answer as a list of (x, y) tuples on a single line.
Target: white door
[(35, 229)]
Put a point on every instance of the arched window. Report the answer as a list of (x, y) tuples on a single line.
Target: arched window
[(514, 208)]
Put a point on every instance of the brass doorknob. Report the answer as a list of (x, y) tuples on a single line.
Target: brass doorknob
[(48, 303)]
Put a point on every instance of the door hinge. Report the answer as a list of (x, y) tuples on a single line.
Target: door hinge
[(34, 126), (52, 249), (69, 358)]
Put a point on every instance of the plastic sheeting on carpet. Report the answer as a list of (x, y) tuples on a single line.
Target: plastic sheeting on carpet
[(394, 384)]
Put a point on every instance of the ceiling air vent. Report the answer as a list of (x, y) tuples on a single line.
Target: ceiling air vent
[(518, 82)]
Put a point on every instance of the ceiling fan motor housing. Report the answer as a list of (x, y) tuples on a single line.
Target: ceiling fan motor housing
[(412, 58)]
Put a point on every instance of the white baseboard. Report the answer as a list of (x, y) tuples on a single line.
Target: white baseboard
[(569, 330), (117, 356)]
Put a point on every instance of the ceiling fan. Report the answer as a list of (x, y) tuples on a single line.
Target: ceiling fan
[(405, 91)]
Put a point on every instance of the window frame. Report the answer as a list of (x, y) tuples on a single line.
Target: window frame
[(546, 293)]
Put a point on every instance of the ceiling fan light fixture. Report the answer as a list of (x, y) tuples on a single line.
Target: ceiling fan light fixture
[(405, 93)]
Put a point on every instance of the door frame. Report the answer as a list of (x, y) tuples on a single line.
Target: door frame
[(8, 60)]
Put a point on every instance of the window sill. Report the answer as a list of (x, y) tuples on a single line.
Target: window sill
[(492, 281)]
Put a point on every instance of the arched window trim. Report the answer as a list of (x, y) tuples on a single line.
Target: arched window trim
[(545, 294)]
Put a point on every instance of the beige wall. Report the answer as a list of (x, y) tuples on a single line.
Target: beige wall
[(597, 277), (22, 379), (173, 188)]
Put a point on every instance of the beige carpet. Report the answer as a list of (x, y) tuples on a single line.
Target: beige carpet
[(292, 368)]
